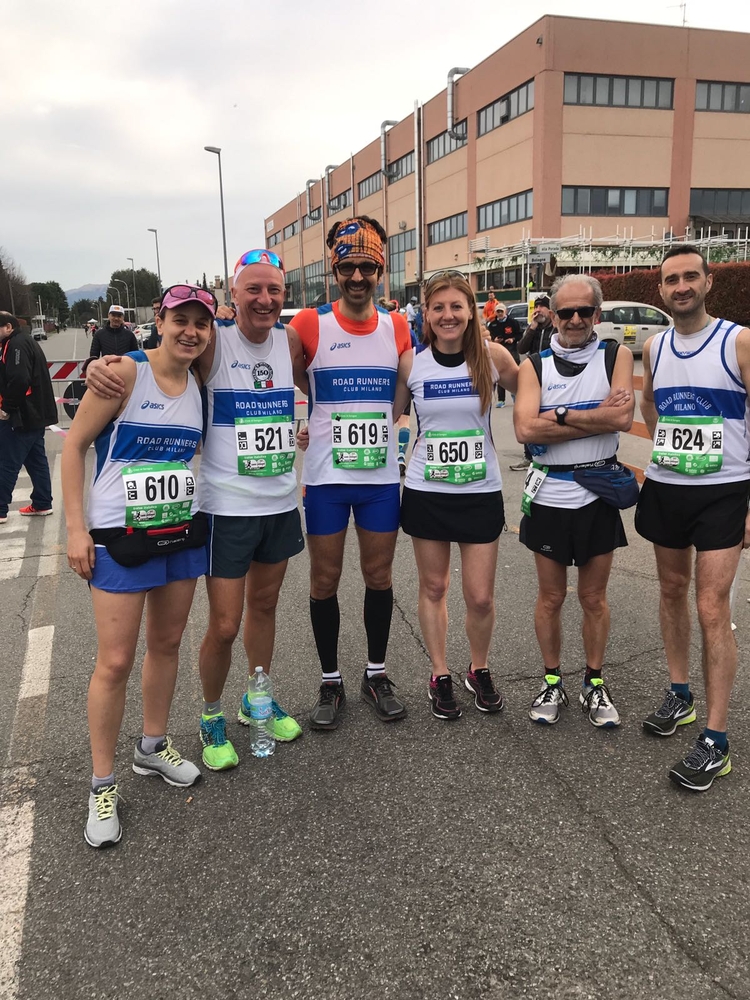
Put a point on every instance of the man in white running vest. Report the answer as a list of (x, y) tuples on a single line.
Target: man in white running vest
[(573, 400), (695, 404)]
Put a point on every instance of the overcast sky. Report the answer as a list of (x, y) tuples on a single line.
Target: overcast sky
[(105, 109)]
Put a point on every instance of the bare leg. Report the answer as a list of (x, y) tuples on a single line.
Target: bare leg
[(478, 567), (592, 595), (714, 572), (433, 566), (225, 600), (674, 567), (263, 584), (553, 578), (167, 610)]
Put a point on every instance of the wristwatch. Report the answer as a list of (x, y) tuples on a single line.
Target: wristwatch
[(561, 413)]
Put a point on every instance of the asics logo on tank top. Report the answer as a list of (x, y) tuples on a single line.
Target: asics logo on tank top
[(338, 347), (557, 385), (148, 405), (239, 364)]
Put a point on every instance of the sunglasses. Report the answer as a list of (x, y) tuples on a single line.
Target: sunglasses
[(260, 257), (367, 268), (584, 312), (185, 292), (446, 274)]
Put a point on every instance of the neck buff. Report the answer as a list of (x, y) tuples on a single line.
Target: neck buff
[(357, 238), (580, 355)]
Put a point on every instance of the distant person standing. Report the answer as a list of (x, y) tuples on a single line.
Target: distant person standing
[(114, 337), (504, 330), (27, 406), (412, 308), (488, 312), (153, 340)]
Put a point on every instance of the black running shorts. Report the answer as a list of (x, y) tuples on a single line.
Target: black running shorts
[(708, 517), (573, 536)]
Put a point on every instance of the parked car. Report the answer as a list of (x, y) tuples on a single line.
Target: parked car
[(143, 332), (39, 334), (519, 311), (287, 315), (631, 323)]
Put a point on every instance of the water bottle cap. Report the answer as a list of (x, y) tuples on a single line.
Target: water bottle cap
[(259, 670)]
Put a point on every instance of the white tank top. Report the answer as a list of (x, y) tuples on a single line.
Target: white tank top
[(248, 453), (454, 451), (352, 387), (702, 407), (156, 430), (584, 391)]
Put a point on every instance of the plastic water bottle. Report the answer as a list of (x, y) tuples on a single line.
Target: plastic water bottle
[(260, 696)]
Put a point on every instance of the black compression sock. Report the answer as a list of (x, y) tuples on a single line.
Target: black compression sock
[(326, 619), (378, 614)]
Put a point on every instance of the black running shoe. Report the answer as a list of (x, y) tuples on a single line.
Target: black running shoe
[(673, 712), (325, 711), (704, 763), (378, 692), (486, 696), (444, 705)]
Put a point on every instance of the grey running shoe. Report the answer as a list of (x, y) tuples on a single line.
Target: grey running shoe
[(167, 763), (521, 466), (596, 700), (103, 825), (545, 708)]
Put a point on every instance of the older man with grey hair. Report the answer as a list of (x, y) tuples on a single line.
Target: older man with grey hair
[(573, 400)]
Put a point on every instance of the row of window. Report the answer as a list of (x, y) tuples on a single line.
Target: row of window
[(444, 143), (451, 228), (506, 108), (312, 219), (273, 239), (401, 167), (505, 210), (722, 97), (293, 289), (614, 201), (370, 185), (398, 247), (340, 202), (618, 91), (291, 230), (711, 202)]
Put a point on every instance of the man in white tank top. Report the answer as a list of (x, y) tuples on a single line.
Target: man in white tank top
[(695, 404), (573, 400)]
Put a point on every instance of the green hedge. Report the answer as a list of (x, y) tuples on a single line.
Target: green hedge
[(729, 298)]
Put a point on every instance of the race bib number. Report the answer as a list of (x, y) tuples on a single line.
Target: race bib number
[(266, 446), (455, 457), (158, 494), (693, 446), (534, 479), (360, 440)]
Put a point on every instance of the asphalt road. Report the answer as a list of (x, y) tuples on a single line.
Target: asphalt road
[(488, 858)]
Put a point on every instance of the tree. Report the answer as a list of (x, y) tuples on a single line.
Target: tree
[(53, 299), (14, 294), (147, 285), (204, 284), (82, 311)]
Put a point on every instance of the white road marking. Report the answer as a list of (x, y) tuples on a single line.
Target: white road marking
[(11, 560), (38, 662), (48, 564)]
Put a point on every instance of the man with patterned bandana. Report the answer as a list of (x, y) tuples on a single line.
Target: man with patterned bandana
[(695, 404), (351, 351)]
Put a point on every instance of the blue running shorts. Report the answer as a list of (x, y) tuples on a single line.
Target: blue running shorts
[(327, 508), (109, 575)]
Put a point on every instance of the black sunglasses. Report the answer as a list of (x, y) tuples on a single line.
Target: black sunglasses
[(446, 274), (367, 268), (585, 312)]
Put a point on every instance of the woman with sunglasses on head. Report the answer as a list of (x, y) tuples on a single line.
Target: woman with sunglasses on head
[(140, 505), (453, 488)]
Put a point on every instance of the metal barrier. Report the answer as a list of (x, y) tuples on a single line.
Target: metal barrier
[(69, 388)]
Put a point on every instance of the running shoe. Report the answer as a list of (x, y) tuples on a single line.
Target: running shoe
[(444, 705), (285, 728), (545, 708), (378, 691), (325, 711), (704, 763), (31, 511), (499, 405), (673, 712), (597, 701), (167, 763), (402, 465), (486, 696), (521, 466), (218, 752), (103, 825)]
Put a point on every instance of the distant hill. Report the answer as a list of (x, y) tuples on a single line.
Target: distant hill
[(86, 292)]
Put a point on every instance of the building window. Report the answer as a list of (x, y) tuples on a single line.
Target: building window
[(401, 168), (722, 97), (340, 202), (315, 283), (370, 185), (711, 202), (312, 219), (506, 108), (443, 144), (498, 213), (649, 202), (293, 289), (398, 247), (291, 230), (447, 229), (618, 91), (273, 239)]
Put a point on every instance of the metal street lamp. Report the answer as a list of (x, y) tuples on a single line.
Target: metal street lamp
[(135, 295), (127, 290), (119, 300), (158, 265), (217, 150)]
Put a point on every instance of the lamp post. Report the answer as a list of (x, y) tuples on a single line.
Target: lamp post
[(127, 290), (217, 150), (119, 300), (135, 295), (158, 265)]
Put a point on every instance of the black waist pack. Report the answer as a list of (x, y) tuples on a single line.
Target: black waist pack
[(135, 546), (610, 481)]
